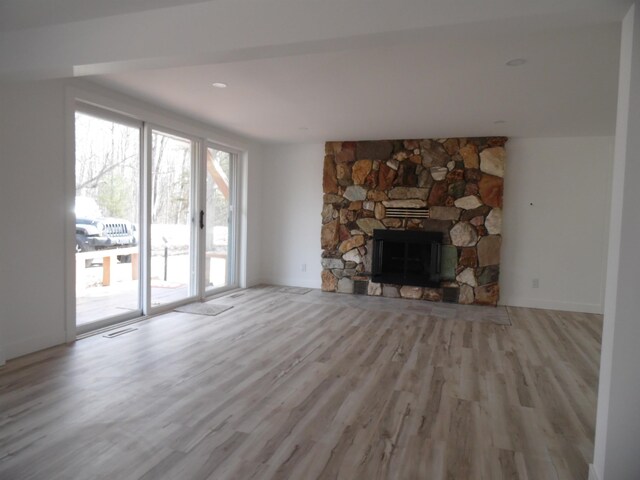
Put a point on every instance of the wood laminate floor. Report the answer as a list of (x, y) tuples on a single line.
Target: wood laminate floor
[(310, 387)]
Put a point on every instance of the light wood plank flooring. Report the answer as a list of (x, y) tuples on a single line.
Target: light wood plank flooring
[(315, 386)]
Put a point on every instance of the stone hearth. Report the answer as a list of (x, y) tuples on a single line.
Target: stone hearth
[(458, 180)]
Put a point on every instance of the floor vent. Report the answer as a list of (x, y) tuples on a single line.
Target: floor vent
[(236, 295), (117, 333)]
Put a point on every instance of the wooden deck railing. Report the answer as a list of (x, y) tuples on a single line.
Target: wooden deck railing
[(110, 256), (107, 257)]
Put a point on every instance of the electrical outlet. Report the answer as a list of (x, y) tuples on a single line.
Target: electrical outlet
[(535, 283), (303, 267)]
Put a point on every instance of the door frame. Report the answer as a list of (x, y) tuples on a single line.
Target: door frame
[(194, 206), (105, 100), (115, 117), (233, 239)]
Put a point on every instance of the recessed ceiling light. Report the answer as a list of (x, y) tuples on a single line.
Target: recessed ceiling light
[(219, 85), (516, 62), (499, 122)]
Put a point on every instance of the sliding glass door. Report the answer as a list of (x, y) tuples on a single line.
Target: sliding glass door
[(153, 230), (219, 219), (107, 216), (172, 266)]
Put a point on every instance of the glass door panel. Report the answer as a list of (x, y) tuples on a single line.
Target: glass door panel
[(218, 219), (107, 208), (171, 235)]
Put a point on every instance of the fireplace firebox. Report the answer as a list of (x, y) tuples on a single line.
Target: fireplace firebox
[(406, 257)]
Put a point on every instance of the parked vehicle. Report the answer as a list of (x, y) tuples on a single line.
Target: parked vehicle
[(94, 232)]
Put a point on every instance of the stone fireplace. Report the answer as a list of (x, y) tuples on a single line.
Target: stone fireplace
[(448, 192)]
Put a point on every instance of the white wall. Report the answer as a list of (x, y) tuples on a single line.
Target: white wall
[(252, 210), (32, 217), (556, 210), (33, 213), (291, 214), (618, 418), (561, 237)]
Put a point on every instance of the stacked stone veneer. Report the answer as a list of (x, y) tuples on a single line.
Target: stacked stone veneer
[(460, 180)]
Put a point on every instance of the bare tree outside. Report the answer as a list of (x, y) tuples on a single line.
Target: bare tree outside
[(107, 170), (171, 169), (108, 165)]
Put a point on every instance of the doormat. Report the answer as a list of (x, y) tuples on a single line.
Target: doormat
[(296, 290), (203, 309)]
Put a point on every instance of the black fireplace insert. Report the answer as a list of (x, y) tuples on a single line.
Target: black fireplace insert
[(406, 257)]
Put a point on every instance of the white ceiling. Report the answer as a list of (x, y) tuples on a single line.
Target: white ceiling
[(305, 70), (427, 88), (19, 14)]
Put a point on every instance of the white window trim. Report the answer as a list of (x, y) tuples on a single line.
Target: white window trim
[(233, 261)]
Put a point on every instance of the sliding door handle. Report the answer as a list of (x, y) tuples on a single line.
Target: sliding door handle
[(201, 219)]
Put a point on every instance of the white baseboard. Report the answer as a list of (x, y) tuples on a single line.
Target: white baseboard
[(293, 282), (592, 473), (552, 305)]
